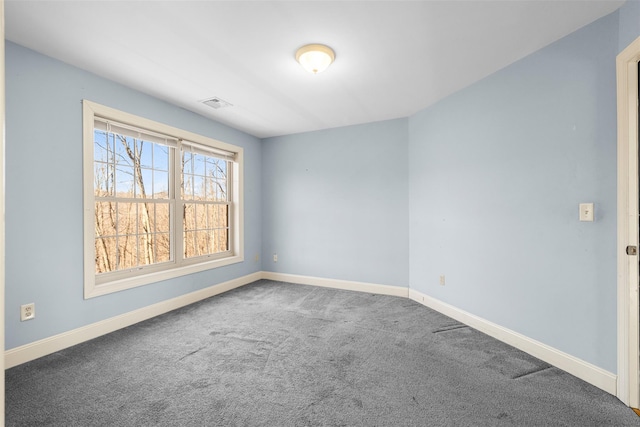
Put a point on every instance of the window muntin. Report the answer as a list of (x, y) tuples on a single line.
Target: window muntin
[(160, 202)]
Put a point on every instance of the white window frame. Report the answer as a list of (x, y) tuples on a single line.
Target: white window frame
[(168, 270)]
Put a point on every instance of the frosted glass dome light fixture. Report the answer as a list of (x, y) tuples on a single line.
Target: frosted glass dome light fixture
[(315, 58)]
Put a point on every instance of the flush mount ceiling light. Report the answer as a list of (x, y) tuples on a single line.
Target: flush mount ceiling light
[(315, 58)]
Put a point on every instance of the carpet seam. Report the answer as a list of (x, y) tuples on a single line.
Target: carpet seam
[(534, 371), (452, 328)]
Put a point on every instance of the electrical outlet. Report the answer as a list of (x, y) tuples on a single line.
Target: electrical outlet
[(275, 257), (257, 258), (27, 312), (442, 280)]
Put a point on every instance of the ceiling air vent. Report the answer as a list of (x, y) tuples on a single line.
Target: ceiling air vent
[(217, 103)]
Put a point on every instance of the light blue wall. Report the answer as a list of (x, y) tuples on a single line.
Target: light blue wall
[(629, 23), (496, 173), (335, 203), (44, 243), (482, 187)]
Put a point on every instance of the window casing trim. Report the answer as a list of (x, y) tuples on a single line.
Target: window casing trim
[(166, 270)]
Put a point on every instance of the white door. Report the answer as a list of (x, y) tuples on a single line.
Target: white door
[(628, 226)]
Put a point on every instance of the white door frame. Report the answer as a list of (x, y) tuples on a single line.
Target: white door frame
[(2, 252), (628, 390)]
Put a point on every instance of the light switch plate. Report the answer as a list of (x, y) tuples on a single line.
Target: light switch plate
[(586, 212)]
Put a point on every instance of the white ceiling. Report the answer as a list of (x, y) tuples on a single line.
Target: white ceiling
[(393, 58)]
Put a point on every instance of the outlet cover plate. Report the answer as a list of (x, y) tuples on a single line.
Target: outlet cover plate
[(27, 312)]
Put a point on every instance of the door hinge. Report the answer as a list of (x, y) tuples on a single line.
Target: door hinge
[(632, 250)]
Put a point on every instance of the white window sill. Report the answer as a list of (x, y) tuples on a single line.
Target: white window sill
[(95, 290)]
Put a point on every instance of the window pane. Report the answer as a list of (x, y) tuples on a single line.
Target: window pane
[(163, 252), (151, 209), (145, 217), (189, 216), (218, 216), (210, 189), (102, 147), (187, 162), (125, 149), (222, 240), (144, 155), (189, 244), (105, 219), (187, 187), (204, 236), (144, 189), (198, 188), (221, 190), (198, 164), (160, 157), (124, 181), (162, 221), (221, 169), (201, 217), (208, 165), (126, 222), (105, 254), (103, 179), (160, 185), (146, 250), (127, 252)]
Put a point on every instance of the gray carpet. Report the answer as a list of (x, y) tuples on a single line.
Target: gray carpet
[(277, 354)]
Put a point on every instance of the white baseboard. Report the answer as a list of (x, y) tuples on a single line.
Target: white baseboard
[(34, 350), (398, 291), (592, 374), (577, 367)]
